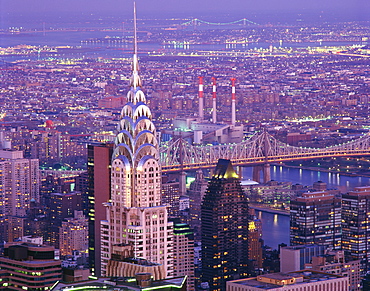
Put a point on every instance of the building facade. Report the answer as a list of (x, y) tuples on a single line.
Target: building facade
[(295, 281), (197, 191), (73, 234), (19, 185), (135, 214), (225, 220), (171, 196), (334, 262), (27, 266), (99, 187), (60, 206), (183, 250), (315, 218), (255, 241), (356, 225), (294, 258)]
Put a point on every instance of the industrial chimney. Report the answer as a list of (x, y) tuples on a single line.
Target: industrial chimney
[(201, 106), (214, 109), (233, 99)]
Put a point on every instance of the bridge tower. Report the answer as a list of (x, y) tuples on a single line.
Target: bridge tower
[(182, 173), (195, 23), (265, 168)]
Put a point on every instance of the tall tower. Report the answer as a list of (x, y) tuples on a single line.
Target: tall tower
[(19, 185), (201, 100), (183, 246), (214, 106), (356, 225), (233, 100), (134, 212), (225, 219), (315, 218), (99, 172), (196, 193)]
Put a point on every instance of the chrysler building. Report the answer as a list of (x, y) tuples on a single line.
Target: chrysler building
[(134, 213)]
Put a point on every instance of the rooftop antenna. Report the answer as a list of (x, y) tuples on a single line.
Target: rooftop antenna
[(135, 79)]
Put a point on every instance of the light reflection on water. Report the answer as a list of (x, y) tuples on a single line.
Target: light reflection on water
[(308, 177), (275, 219), (275, 228)]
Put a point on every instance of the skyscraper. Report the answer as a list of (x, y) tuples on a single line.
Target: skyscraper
[(356, 225), (99, 187), (255, 241), (196, 193), (19, 184), (183, 249), (315, 218), (171, 196), (73, 234), (60, 206), (225, 218), (134, 212)]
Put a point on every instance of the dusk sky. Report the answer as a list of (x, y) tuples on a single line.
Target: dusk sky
[(164, 7)]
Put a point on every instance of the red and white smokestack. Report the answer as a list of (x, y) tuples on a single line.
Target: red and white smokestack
[(233, 99), (201, 105), (214, 110)]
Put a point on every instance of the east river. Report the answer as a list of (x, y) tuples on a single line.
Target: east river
[(102, 43), (275, 227)]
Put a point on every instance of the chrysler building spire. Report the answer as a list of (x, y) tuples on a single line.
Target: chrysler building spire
[(135, 79)]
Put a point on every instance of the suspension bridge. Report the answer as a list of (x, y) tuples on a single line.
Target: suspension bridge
[(260, 149), (197, 21)]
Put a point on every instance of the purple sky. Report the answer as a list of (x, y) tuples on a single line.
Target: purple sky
[(158, 6), (18, 12)]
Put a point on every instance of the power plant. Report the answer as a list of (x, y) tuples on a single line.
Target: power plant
[(199, 130)]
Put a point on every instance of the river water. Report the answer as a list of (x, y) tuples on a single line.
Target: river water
[(308, 177), (110, 48), (275, 227)]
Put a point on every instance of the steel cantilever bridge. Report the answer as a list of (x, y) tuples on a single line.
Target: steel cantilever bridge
[(262, 148)]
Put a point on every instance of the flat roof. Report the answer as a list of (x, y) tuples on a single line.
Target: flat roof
[(309, 276), (119, 283)]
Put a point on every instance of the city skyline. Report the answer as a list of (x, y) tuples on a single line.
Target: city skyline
[(75, 106)]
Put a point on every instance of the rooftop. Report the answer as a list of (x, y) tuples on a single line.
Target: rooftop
[(224, 170), (119, 284), (277, 280)]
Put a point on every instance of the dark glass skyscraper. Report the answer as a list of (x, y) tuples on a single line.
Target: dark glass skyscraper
[(356, 225), (315, 218), (99, 187), (224, 215)]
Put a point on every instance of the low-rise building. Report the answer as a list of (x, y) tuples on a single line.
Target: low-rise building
[(27, 266), (334, 262), (294, 258), (141, 282), (294, 281)]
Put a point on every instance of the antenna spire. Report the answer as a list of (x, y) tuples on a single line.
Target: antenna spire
[(135, 79), (135, 30)]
